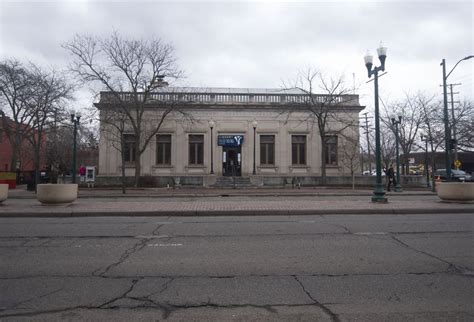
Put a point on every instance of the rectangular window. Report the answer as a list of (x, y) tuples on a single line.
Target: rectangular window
[(331, 149), (130, 146), (196, 149), (163, 149), (298, 149), (267, 149)]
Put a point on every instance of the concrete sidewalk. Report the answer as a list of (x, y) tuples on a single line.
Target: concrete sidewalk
[(188, 192), (231, 202)]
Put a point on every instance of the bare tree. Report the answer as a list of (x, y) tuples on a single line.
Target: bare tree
[(411, 110), (324, 110), (387, 145), (49, 94), (15, 88), (114, 131), (130, 70), (58, 143), (351, 154), (464, 123)]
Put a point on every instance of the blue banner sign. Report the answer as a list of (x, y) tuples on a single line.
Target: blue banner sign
[(230, 140)]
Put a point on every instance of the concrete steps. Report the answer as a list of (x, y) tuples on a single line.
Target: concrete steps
[(233, 182)]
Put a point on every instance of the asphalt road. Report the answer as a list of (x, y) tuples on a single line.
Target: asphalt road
[(299, 268)]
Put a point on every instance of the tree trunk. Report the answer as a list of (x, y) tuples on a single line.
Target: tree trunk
[(353, 179), (137, 157), (137, 169), (323, 161), (122, 154), (37, 166), (15, 151)]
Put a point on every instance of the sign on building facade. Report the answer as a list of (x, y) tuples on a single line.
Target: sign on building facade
[(230, 140)]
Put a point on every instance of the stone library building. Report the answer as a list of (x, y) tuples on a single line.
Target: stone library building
[(217, 136)]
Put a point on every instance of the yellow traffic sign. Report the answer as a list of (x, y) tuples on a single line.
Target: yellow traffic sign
[(457, 164)]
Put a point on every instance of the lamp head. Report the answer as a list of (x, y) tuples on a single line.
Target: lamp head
[(382, 53), (254, 124), (399, 119), (212, 123), (368, 58), (72, 117)]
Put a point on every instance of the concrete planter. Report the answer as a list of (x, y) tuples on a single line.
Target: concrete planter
[(56, 193), (456, 191), (3, 191)]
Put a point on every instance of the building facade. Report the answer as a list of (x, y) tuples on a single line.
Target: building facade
[(24, 154), (267, 135)]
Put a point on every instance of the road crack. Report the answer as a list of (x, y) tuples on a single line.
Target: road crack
[(34, 298), (128, 252), (451, 267), (122, 296), (326, 310)]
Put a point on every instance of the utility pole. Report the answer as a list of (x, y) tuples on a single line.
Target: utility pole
[(455, 143), (366, 128), (447, 132)]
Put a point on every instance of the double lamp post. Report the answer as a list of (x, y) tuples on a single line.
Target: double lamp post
[(396, 123), (379, 192)]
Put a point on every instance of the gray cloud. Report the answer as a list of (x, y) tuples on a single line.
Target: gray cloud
[(259, 44)]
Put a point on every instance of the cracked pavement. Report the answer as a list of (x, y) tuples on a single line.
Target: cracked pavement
[(282, 268)]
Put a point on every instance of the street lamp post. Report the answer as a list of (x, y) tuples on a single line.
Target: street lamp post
[(379, 192), (254, 125), (75, 117), (211, 125), (398, 187), (447, 132), (425, 139)]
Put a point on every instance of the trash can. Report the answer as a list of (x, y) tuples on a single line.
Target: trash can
[(30, 186)]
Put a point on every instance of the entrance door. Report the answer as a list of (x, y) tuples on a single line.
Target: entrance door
[(231, 161)]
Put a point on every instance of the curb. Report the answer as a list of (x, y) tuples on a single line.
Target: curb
[(226, 213), (229, 195)]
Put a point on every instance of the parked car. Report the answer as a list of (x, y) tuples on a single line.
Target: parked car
[(373, 173), (457, 175)]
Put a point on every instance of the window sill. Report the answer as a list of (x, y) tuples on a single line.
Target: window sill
[(303, 166), (163, 166)]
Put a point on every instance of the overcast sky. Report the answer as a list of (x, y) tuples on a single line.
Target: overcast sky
[(261, 44)]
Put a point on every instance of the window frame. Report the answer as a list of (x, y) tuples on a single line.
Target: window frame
[(196, 149), (165, 147), (130, 146), (331, 153), (267, 150), (301, 150)]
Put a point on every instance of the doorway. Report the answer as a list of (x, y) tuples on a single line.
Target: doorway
[(231, 161)]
